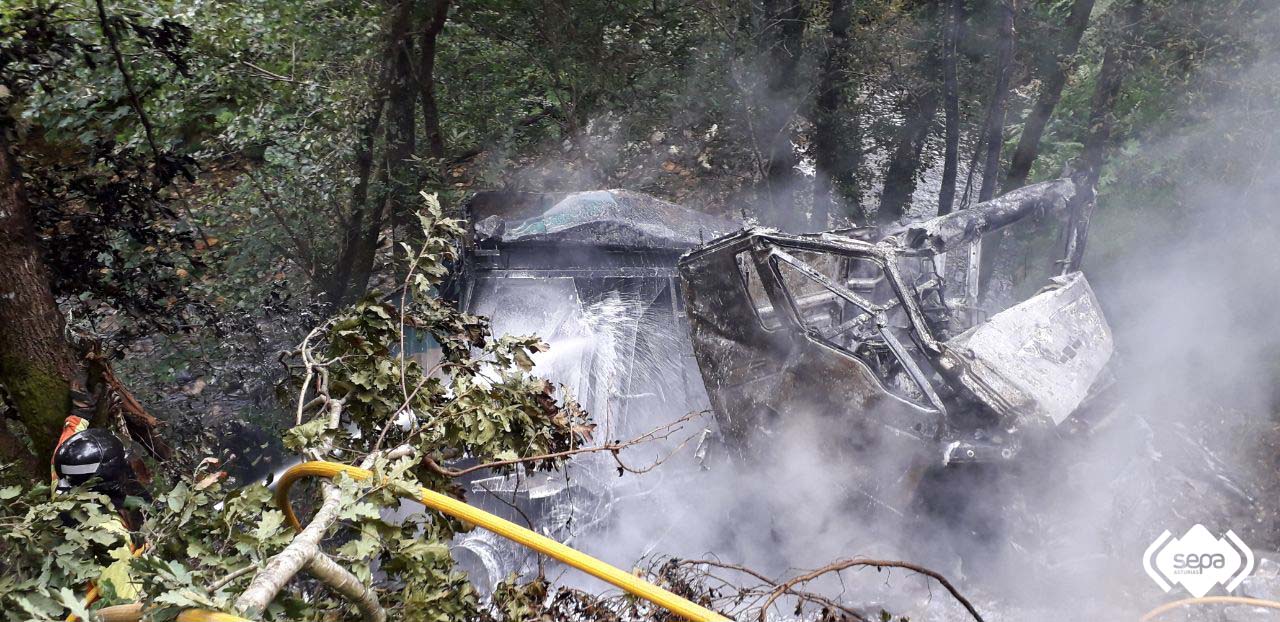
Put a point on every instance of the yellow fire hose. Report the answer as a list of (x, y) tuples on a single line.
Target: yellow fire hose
[(511, 531), (133, 613), (542, 544)]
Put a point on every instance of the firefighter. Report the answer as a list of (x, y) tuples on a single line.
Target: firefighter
[(95, 457)]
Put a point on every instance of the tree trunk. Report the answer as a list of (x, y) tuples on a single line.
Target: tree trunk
[(1115, 63), (436, 15), (995, 281), (401, 128), (782, 32), (919, 110), (900, 177), (995, 119), (338, 285), (950, 104), (394, 95), (1055, 78), (836, 161), (37, 366)]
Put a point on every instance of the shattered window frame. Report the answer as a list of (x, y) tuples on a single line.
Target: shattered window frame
[(775, 253)]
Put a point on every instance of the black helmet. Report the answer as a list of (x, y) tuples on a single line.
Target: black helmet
[(93, 453)]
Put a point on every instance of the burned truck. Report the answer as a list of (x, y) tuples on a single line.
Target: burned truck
[(653, 310), (869, 330)]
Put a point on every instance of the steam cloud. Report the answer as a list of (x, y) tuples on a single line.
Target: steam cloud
[(1191, 288)]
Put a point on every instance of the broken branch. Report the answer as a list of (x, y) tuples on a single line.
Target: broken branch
[(340, 580), (836, 567)]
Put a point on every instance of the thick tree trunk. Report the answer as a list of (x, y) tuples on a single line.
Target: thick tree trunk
[(364, 215), (1115, 64), (37, 366), (919, 110), (1055, 78), (904, 164), (393, 98), (950, 104), (999, 97), (339, 282), (436, 15), (996, 272), (782, 32), (1011, 254), (401, 127), (837, 138)]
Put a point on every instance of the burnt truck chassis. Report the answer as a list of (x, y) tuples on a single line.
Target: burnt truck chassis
[(860, 329)]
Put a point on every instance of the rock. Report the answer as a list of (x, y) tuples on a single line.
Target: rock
[(490, 228), (1264, 583), (1240, 613)]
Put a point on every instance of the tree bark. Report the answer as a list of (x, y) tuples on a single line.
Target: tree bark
[(401, 127), (781, 36), (393, 98), (995, 281), (995, 119), (836, 161), (37, 366), (339, 282), (340, 580), (950, 105), (1055, 78), (434, 20), (919, 110), (1115, 64), (900, 177)]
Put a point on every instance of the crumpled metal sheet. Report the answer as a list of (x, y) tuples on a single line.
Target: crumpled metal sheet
[(1038, 359)]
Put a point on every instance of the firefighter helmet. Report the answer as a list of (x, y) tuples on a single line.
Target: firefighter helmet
[(93, 453)]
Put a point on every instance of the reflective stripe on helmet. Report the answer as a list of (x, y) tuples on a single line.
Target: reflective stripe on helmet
[(79, 469)]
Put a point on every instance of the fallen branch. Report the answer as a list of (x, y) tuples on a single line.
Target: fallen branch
[(286, 564), (800, 594), (856, 562), (231, 576), (304, 551), (340, 580)]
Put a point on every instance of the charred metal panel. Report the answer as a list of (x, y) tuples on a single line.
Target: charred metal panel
[(593, 274), (772, 320), (1036, 361)]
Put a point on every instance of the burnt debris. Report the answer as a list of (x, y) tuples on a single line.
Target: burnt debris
[(863, 329)]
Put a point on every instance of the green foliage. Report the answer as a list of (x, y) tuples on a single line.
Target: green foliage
[(273, 100), (51, 549), (101, 194), (478, 401)]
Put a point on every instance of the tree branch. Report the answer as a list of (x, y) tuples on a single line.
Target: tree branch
[(800, 594), (856, 562), (232, 576), (282, 567), (275, 77), (134, 100), (340, 580)]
